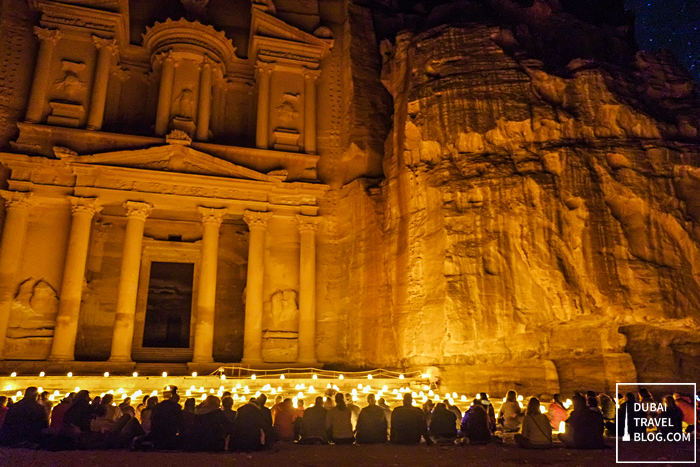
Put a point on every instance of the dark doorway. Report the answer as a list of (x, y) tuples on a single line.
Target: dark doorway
[(169, 305)]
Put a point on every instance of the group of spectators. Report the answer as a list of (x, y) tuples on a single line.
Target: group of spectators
[(79, 422)]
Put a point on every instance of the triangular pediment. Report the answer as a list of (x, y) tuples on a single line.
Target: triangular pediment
[(266, 26), (170, 158)]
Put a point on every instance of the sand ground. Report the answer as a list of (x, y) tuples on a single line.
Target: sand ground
[(332, 456)]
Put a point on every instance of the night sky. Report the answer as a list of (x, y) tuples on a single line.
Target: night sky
[(670, 24)]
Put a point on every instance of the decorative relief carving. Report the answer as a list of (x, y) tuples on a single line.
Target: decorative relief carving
[(307, 223), (79, 22), (49, 35), (17, 199), (185, 104), (256, 219), (212, 215), (108, 44), (34, 310), (264, 67), (311, 74), (89, 206), (287, 111), (122, 74), (280, 175), (284, 311), (138, 209), (168, 56), (70, 85), (178, 137), (62, 152)]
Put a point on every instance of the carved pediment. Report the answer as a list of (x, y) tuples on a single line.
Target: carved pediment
[(267, 27), (169, 158)]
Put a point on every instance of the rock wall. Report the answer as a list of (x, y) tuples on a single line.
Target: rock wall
[(18, 49), (527, 215)]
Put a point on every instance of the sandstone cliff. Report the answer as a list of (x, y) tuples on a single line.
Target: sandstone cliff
[(531, 213)]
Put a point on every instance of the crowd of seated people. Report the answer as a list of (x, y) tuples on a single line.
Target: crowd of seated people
[(81, 422)]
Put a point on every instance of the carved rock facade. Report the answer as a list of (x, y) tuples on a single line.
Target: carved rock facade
[(477, 195)]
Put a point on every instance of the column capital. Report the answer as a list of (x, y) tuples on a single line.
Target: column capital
[(89, 206), (50, 35), (120, 73), (212, 216), (17, 199), (311, 74), (307, 223), (256, 219), (110, 45), (265, 67), (138, 209), (206, 61), (149, 78), (167, 57)]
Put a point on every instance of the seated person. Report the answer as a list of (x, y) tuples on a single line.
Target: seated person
[(488, 406), (592, 401), (557, 412), (284, 421), (408, 424), (101, 423), (607, 409), (475, 424), (339, 422), (109, 434), (674, 416), (443, 423), (24, 421), (536, 431), (628, 412), (371, 423), (688, 410), (510, 417), (248, 432), (166, 422), (584, 428), (313, 424), (209, 430)]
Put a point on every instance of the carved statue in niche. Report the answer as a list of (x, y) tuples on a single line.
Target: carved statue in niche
[(70, 85), (284, 311), (185, 104), (34, 310), (287, 111)]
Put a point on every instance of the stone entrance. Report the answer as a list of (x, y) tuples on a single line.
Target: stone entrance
[(169, 305)]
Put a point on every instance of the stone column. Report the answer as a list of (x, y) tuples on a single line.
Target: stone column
[(310, 78), (123, 332), (204, 104), (63, 345), (17, 206), (42, 73), (307, 289), (165, 94), (252, 333), (262, 135), (216, 98), (106, 49), (206, 296), (120, 76)]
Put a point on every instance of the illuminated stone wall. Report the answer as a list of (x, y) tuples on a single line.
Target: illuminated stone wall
[(495, 200), (526, 215)]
